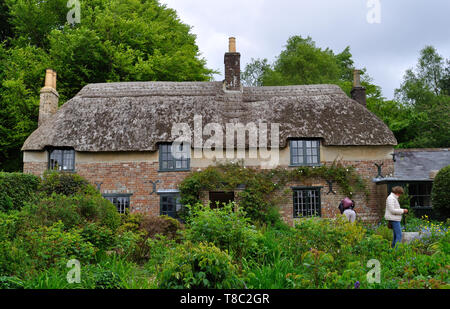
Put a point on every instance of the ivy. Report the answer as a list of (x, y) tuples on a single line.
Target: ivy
[(258, 196)]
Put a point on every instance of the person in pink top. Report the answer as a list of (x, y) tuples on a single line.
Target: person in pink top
[(347, 209)]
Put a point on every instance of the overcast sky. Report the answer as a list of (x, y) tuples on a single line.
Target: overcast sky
[(262, 27)]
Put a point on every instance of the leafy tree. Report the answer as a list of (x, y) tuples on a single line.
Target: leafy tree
[(302, 63), (117, 40), (6, 30), (254, 72), (425, 90)]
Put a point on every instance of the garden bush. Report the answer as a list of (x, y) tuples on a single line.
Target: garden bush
[(100, 236), (162, 225), (330, 235), (227, 229), (199, 266), (440, 194), (16, 189), (74, 211), (65, 183), (51, 245)]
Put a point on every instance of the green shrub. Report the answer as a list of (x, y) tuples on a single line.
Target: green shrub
[(14, 259), (162, 225), (7, 283), (48, 246), (440, 194), (227, 229), (74, 211), (198, 266), (66, 184), (16, 189), (330, 235), (101, 237), (108, 280), (385, 232)]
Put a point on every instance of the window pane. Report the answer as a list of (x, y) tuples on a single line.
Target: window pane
[(306, 202), (308, 144)]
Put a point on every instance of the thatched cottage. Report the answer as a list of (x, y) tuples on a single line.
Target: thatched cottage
[(118, 136)]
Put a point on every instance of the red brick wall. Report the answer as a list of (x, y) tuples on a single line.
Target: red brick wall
[(134, 178)]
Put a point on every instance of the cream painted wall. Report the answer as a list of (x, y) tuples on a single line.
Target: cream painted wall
[(327, 154)]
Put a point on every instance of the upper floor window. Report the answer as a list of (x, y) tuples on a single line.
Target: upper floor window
[(305, 152), (174, 158), (62, 159)]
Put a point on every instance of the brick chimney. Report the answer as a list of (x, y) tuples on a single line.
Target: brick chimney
[(48, 104), (358, 92), (232, 67)]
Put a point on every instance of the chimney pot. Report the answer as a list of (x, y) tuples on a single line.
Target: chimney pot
[(232, 45), (54, 80), (48, 78), (49, 97), (357, 78), (232, 67), (358, 92)]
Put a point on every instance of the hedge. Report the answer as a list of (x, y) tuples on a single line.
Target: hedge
[(15, 189)]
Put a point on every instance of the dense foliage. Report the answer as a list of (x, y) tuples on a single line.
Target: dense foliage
[(217, 248), (16, 189), (440, 194), (118, 40)]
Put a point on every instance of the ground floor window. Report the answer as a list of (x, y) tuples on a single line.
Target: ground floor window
[(420, 194), (218, 199), (306, 202), (170, 205), (122, 202)]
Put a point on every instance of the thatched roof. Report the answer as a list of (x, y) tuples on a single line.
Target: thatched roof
[(136, 116)]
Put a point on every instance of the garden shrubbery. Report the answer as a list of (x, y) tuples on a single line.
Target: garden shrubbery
[(65, 218), (199, 266), (16, 189), (227, 229), (440, 194)]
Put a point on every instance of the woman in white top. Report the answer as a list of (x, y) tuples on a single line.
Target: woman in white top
[(394, 213)]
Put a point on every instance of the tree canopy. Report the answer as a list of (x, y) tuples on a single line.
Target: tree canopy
[(116, 40), (418, 116)]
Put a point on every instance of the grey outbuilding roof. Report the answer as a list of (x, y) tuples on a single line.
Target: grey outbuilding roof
[(136, 116), (418, 164)]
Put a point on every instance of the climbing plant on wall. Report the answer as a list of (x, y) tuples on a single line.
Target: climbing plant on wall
[(257, 196)]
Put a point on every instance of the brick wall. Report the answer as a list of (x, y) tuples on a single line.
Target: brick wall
[(135, 177)]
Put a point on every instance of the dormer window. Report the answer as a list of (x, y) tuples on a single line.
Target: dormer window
[(61, 160), (174, 159), (305, 152)]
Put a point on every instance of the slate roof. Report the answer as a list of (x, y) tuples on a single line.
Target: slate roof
[(135, 116), (417, 164)]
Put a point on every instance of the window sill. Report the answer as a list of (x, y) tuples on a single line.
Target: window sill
[(306, 165), (63, 171), (173, 171)]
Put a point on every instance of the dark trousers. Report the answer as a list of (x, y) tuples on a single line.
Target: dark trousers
[(397, 229)]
